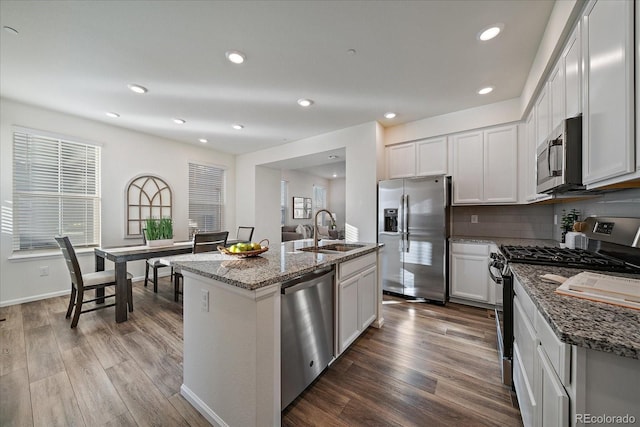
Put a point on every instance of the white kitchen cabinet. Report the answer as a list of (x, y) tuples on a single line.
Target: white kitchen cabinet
[(608, 86), (468, 168), (485, 166), (367, 298), (401, 160), (357, 298), (573, 74), (501, 165), (543, 121), (528, 170), (431, 156), (469, 273), (554, 401), (349, 327), (421, 158), (556, 89)]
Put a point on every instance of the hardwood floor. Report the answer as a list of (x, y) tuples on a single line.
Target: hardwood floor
[(429, 365)]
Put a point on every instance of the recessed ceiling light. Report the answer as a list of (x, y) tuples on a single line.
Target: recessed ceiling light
[(237, 126), (137, 88), (351, 52), (235, 56), (203, 140), (10, 30), (491, 32), (179, 121), (485, 90), (335, 175), (304, 102), (112, 114), (390, 115)]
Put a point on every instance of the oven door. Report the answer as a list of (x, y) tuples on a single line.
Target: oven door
[(504, 319), (550, 165)]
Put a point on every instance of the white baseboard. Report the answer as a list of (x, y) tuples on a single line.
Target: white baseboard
[(34, 298), (202, 407)]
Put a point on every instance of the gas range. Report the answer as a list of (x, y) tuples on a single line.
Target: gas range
[(574, 258)]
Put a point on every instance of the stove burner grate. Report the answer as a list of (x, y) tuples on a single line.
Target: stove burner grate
[(575, 258)]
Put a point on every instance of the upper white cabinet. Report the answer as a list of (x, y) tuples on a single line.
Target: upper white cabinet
[(501, 165), (556, 90), (401, 160), (543, 122), (468, 167), (431, 156), (608, 87), (422, 158), (571, 57), (485, 166)]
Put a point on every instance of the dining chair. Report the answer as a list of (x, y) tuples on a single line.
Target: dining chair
[(202, 242), (154, 263), (245, 234), (81, 283)]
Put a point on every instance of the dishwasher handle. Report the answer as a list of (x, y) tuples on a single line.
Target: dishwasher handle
[(304, 281)]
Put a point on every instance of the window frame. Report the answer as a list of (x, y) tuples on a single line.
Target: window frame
[(58, 183)]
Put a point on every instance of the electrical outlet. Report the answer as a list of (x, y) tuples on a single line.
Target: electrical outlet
[(44, 271), (204, 300), (474, 219)]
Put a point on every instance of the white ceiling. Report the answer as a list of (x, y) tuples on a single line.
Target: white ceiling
[(417, 58), (327, 164)]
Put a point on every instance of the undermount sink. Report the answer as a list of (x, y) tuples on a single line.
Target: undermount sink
[(333, 248)]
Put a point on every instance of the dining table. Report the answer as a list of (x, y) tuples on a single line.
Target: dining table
[(122, 254)]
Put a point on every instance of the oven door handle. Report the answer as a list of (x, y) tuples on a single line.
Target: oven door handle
[(495, 278)]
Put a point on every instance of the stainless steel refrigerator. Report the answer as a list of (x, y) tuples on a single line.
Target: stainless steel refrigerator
[(413, 223)]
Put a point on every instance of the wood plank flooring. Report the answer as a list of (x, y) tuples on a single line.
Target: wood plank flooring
[(428, 366)]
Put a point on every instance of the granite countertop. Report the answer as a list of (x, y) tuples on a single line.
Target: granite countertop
[(590, 324), (278, 264), (515, 241)]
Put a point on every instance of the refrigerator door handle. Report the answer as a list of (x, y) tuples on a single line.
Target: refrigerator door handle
[(400, 224), (405, 222)]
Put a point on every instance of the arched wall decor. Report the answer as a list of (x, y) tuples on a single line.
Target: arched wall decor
[(148, 196)]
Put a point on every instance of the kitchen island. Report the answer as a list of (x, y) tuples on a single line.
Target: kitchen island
[(231, 308)]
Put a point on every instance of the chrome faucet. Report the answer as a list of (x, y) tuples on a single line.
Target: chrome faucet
[(315, 226)]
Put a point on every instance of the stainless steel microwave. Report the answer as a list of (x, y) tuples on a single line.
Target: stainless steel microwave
[(559, 158)]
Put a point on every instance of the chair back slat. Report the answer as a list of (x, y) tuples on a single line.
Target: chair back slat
[(207, 242), (71, 260), (245, 234)]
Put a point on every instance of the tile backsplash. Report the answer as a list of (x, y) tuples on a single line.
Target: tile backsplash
[(521, 221), (537, 221), (623, 203)]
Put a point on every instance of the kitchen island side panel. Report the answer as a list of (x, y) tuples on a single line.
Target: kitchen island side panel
[(232, 352)]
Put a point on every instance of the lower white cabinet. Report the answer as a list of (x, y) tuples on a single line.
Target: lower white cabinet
[(469, 273), (357, 298), (540, 374), (554, 401)]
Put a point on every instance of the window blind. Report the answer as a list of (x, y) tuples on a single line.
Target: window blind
[(56, 191), (206, 197)]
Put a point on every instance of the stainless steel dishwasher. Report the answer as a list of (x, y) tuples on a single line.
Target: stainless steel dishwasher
[(306, 342)]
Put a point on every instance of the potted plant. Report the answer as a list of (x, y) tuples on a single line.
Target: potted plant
[(159, 232), (568, 219)]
